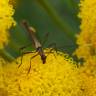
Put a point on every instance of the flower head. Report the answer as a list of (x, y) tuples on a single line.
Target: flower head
[(6, 21), (87, 37), (87, 45), (57, 77)]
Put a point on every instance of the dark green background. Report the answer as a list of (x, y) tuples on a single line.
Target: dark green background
[(38, 17)]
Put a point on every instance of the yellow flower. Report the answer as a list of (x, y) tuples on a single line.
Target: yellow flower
[(3, 92), (6, 21), (87, 46), (89, 80), (57, 77), (14, 3), (87, 37)]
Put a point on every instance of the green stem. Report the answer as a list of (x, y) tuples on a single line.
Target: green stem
[(6, 55), (57, 19)]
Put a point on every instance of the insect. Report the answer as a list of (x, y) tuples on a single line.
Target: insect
[(36, 42), (37, 45)]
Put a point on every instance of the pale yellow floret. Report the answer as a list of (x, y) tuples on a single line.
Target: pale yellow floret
[(87, 37), (57, 77), (3, 91), (87, 45), (6, 21), (88, 76)]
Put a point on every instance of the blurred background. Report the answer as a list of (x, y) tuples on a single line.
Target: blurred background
[(56, 17)]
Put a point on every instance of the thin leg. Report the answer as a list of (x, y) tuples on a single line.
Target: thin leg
[(53, 45), (23, 47), (51, 52), (46, 38), (30, 62), (21, 52), (28, 52)]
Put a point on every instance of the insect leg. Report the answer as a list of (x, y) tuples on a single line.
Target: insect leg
[(22, 48), (53, 46), (30, 63), (46, 38), (51, 50), (27, 52), (21, 51)]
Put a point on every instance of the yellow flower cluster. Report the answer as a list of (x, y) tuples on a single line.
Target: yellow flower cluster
[(87, 37), (6, 21), (14, 3), (2, 91), (88, 78), (87, 45), (59, 76)]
